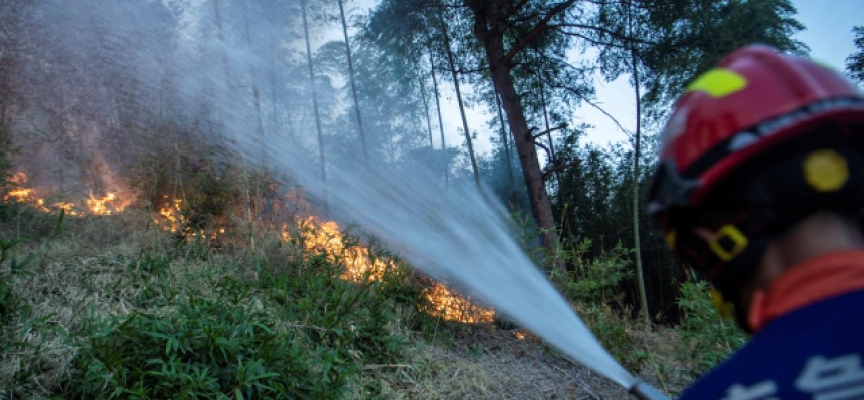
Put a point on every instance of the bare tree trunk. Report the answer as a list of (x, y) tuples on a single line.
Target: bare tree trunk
[(640, 275), (506, 144), (256, 91), (459, 99), (440, 122), (226, 67), (426, 108), (314, 97), (489, 33), (552, 157), (274, 96), (353, 86)]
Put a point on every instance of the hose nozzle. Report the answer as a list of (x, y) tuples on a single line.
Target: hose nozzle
[(644, 391)]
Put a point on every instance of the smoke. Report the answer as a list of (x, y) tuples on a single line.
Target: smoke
[(99, 83)]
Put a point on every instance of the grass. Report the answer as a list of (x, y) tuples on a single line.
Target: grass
[(114, 310), (113, 307)]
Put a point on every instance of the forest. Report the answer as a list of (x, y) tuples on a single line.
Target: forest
[(349, 198)]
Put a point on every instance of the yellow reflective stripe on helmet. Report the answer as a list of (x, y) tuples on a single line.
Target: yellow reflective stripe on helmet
[(738, 239), (718, 82)]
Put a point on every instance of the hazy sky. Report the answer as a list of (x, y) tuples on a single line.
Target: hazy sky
[(829, 34)]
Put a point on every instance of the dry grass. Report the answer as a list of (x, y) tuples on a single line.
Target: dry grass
[(88, 271), (486, 362), (91, 270)]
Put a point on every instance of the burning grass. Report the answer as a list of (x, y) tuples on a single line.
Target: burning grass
[(20, 193), (317, 288)]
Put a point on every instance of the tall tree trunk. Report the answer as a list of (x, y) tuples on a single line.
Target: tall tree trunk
[(506, 144), (426, 108), (446, 162), (314, 97), (256, 91), (353, 86), (488, 31), (552, 157), (226, 67), (640, 275), (452, 64), (229, 112), (274, 95)]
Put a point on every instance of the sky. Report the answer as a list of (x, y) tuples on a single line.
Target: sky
[(828, 34)]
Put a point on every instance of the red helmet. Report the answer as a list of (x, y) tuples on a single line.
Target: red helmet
[(733, 121)]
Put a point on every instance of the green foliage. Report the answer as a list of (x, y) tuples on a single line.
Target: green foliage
[(594, 286), (16, 267), (855, 62), (296, 330), (6, 152), (204, 349), (8, 303), (709, 338), (598, 280)]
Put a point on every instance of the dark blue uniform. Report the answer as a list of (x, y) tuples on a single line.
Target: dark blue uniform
[(815, 352)]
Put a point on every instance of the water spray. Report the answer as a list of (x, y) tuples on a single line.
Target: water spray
[(644, 391), (461, 236), (457, 236)]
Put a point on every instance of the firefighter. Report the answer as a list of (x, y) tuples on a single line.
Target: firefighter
[(760, 190)]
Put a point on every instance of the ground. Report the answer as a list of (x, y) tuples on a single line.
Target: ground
[(487, 362)]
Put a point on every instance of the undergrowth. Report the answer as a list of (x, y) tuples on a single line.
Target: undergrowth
[(171, 320), (708, 338)]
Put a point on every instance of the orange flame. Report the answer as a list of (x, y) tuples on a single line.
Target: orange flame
[(97, 206), (325, 238), (450, 306), (173, 221), (172, 215)]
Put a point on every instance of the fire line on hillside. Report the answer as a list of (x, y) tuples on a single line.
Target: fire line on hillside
[(318, 237)]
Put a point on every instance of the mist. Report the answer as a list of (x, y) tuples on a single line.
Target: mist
[(102, 86)]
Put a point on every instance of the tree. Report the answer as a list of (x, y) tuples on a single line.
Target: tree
[(353, 86), (670, 43), (448, 50), (685, 38), (855, 62), (312, 86), (491, 20)]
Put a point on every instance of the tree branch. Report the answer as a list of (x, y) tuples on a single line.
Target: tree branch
[(550, 130), (514, 9), (590, 103), (540, 27), (602, 30), (550, 170)]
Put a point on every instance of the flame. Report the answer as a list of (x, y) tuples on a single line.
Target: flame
[(172, 215), (97, 206), (325, 238), (172, 220), (450, 306)]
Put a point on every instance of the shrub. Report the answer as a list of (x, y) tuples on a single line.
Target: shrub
[(596, 281), (594, 285), (204, 349), (709, 338)]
